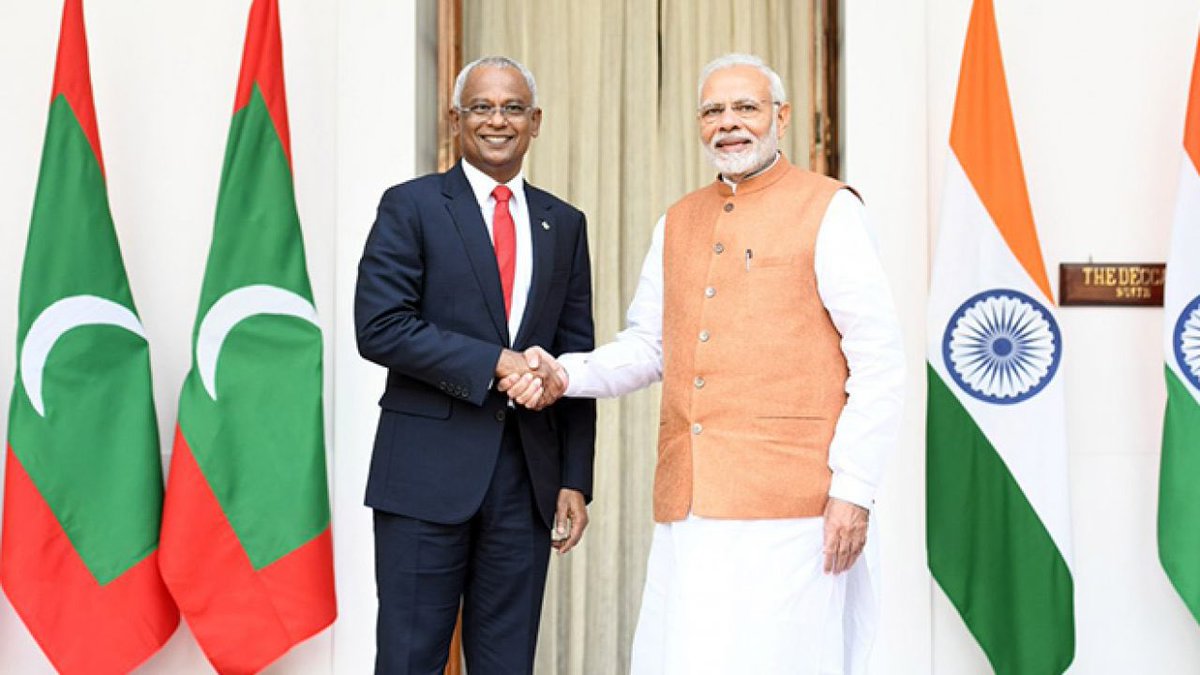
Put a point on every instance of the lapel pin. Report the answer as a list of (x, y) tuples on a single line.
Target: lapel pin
[(545, 225)]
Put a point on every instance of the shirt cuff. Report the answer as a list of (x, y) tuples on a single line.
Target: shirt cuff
[(850, 489), (573, 364)]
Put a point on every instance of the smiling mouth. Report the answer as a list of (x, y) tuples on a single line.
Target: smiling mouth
[(496, 141), (732, 144)]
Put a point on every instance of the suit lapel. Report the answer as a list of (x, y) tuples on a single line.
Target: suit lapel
[(464, 211), (542, 235)]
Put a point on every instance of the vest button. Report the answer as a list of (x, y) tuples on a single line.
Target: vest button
[(699, 382), (704, 336), (696, 429), (709, 292), (719, 248), (728, 207), (499, 415)]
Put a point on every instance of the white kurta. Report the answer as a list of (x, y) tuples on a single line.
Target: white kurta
[(751, 596), (737, 596)]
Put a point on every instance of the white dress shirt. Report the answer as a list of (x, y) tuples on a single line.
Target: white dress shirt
[(854, 290), (482, 185)]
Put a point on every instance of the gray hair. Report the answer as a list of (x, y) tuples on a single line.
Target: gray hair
[(460, 82), (730, 60)]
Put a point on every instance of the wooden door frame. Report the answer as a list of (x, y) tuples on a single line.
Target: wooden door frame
[(449, 62), (826, 146)]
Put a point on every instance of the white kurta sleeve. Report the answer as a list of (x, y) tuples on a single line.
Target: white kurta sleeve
[(633, 359), (854, 289)]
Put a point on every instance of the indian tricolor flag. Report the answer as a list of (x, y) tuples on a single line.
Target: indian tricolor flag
[(1178, 506), (246, 547), (83, 478), (996, 455)]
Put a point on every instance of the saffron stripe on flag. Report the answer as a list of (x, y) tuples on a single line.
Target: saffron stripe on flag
[(984, 138)]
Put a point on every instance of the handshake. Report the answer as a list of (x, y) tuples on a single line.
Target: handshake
[(532, 378)]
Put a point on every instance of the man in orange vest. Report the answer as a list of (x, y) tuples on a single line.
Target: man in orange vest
[(763, 308)]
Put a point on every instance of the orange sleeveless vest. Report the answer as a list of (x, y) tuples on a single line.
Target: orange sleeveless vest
[(753, 373)]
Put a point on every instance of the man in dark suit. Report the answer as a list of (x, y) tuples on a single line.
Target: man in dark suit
[(461, 272)]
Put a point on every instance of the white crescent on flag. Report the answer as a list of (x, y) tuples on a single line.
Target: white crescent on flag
[(54, 321), (230, 310)]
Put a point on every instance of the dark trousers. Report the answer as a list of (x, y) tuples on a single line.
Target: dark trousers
[(495, 563)]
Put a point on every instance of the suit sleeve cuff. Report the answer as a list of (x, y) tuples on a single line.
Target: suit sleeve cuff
[(850, 489), (485, 366), (586, 492)]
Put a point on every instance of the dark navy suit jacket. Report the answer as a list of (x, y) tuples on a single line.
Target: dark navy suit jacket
[(429, 307)]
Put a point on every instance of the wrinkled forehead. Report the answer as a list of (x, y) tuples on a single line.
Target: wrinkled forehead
[(735, 83)]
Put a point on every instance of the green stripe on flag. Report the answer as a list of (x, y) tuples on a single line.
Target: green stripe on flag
[(988, 549), (260, 444), (94, 456), (72, 246), (256, 233), (1178, 507)]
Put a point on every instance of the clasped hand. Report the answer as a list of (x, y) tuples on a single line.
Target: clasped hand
[(532, 379)]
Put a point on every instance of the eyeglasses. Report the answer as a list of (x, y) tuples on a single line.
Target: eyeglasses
[(486, 110), (746, 108)]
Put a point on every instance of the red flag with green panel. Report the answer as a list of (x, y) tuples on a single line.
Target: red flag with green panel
[(246, 547), (83, 477)]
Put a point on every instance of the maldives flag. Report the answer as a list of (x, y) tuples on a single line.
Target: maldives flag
[(83, 479), (246, 547), (997, 506), (1178, 508)]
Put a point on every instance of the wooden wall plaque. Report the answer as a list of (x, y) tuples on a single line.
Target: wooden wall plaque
[(1120, 284)]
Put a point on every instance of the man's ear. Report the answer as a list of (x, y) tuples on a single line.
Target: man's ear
[(535, 122), (784, 118)]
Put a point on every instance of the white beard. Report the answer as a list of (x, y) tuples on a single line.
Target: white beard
[(758, 154)]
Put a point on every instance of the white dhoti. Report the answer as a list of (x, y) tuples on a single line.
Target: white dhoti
[(751, 596)]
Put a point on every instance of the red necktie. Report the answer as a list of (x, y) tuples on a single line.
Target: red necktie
[(504, 238)]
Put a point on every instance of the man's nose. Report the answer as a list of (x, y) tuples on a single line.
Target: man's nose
[(729, 120), (496, 118)]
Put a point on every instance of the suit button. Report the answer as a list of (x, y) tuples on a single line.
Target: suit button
[(704, 336), (719, 248), (709, 292), (728, 207), (696, 429), (699, 382), (499, 415)]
